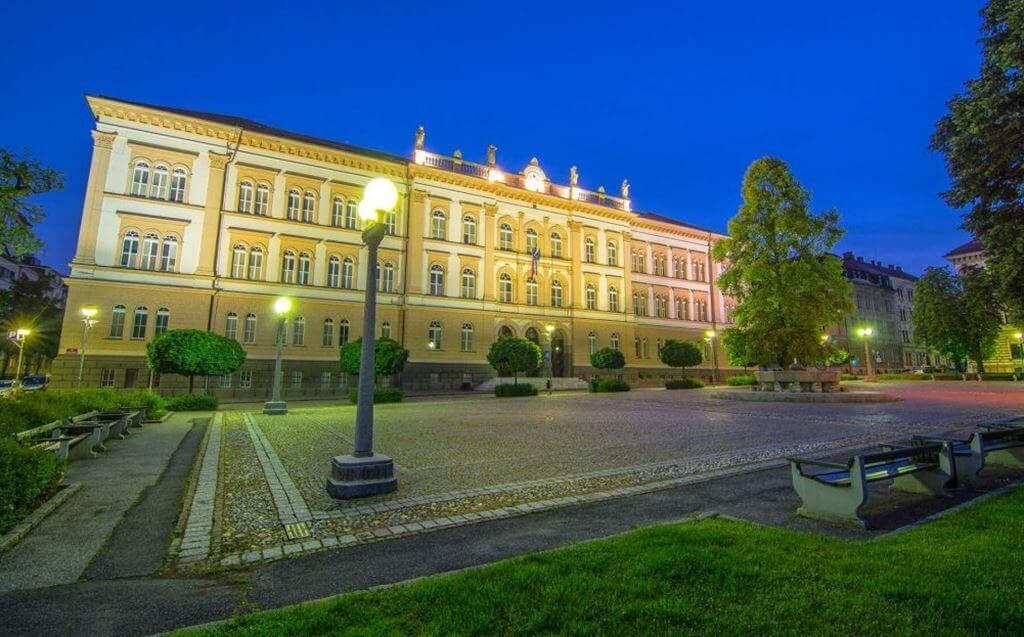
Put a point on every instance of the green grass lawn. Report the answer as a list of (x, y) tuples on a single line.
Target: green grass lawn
[(963, 574)]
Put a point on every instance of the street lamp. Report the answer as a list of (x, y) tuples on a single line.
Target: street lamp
[(87, 322), (364, 473), (549, 330), (709, 337), (1020, 349), (275, 406), (865, 333), (19, 339)]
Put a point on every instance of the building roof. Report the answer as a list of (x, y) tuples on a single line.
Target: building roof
[(663, 219), (970, 247), (850, 260), (258, 127)]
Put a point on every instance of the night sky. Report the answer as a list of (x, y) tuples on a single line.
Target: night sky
[(678, 100)]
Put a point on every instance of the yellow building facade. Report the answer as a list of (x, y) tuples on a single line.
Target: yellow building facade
[(196, 220)]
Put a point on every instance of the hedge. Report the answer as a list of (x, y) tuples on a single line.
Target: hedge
[(32, 409), (510, 390), (741, 381), (602, 385), (26, 475), (683, 383), (846, 376), (380, 395), (193, 402)]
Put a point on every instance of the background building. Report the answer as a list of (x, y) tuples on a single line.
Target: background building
[(201, 220)]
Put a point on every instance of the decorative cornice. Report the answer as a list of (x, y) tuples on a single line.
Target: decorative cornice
[(218, 161), (103, 140)]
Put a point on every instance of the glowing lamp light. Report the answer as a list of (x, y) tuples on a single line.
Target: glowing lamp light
[(710, 334), (420, 156), (865, 332), (1019, 336), (88, 312), (549, 328), (495, 175), (824, 338), (282, 305), (22, 333), (381, 194), (366, 211)]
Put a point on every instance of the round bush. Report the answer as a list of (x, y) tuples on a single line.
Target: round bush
[(380, 395), (193, 402), (602, 385), (683, 383), (740, 381), (511, 390)]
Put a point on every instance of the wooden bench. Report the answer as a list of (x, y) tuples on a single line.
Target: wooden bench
[(135, 415), (54, 438), (998, 446), (836, 491), (116, 424), (1013, 422)]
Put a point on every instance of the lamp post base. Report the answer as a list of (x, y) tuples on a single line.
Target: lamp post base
[(353, 477), (275, 408)]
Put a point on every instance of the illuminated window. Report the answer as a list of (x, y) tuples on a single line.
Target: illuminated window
[(255, 263), (231, 326), (468, 284), (468, 230), (129, 249), (436, 280)]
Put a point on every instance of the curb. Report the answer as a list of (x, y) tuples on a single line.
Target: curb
[(33, 519)]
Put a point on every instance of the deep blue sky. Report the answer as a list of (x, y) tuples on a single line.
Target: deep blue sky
[(678, 99)]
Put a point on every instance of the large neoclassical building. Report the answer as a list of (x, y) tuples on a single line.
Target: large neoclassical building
[(197, 220)]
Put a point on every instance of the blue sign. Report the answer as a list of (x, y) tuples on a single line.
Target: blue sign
[(547, 356)]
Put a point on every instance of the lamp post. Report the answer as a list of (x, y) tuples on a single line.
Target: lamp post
[(365, 473), (19, 339), (275, 406), (1020, 350), (865, 333), (87, 323), (709, 337), (549, 331)]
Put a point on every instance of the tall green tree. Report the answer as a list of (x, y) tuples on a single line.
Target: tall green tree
[(958, 316), (514, 356), (389, 357), (779, 268), (29, 303), (194, 353), (681, 354), (608, 358), (982, 137), (20, 179)]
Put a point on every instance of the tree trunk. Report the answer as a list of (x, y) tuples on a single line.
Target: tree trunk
[(191, 383)]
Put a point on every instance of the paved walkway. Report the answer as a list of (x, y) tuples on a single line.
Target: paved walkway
[(61, 548)]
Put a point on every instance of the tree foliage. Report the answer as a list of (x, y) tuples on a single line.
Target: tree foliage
[(194, 353), (981, 137), (682, 354), (608, 358), (957, 316), (780, 270), (389, 357), (20, 179), (513, 356), (737, 348), (29, 303)]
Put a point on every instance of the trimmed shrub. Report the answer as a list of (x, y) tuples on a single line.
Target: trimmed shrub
[(26, 475), (903, 376), (511, 390), (602, 385), (380, 395), (32, 409), (741, 381), (683, 383), (193, 402), (846, 376), (997, 376), (155, 404)]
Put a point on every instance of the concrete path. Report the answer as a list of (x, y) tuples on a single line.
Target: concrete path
[(61, 548)]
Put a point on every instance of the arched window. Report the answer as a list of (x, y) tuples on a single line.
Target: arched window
[(169, 257), (556, 245), (129, 249), (150, 247), (299, 331), (468, 284), (615, 342), (262, 200), (613, 256), (660, 307), (139, 322), (350, 214), (249, 335), (637, 351), (117, 321), (588, 250), (163, 319), (338, 212), (308, 207), (532, 244), (591, 297), (682, 309), (591, 343), (231, 326), (328, 332), (178, 177), (436, 280), (293, 205), (304, 260), (256, 263), (140, 179), (468, 229), (348, 268), (333, 272), (613, 299), (288, 267), (159, 189), (343, 332), (385, 330), (532, 335), (556, 294), (531, 291), (505, 237), (505, 288), (505, 332), (646, 353), (434, 335), (245, 197), (438, 225), (467, 337), (387, 281)]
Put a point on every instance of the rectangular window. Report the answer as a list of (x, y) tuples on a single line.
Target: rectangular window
[(162, 319), (249, 336), (130, 375), (296, 380), (139, 324), (106, 378), (225, 381), (325, 380), (117, 323), (245, 379), (299, 333)]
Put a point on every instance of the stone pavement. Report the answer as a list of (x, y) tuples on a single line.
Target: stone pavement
[(60, 549)]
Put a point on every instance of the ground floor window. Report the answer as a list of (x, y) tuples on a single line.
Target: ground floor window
[(296, 379), (245, 379), (325, 380), (107, 378), (225, 381)]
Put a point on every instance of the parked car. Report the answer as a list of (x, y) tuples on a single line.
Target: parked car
[(6, 386), (34, 382), (927, 369)]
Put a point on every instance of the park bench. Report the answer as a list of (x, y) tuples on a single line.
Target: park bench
[(1013, 422), (999, 446), (135, 414), (117, 423), (54, 438), (835, 491)]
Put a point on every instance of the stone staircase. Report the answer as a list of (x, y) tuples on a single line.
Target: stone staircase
[(557, 384)]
